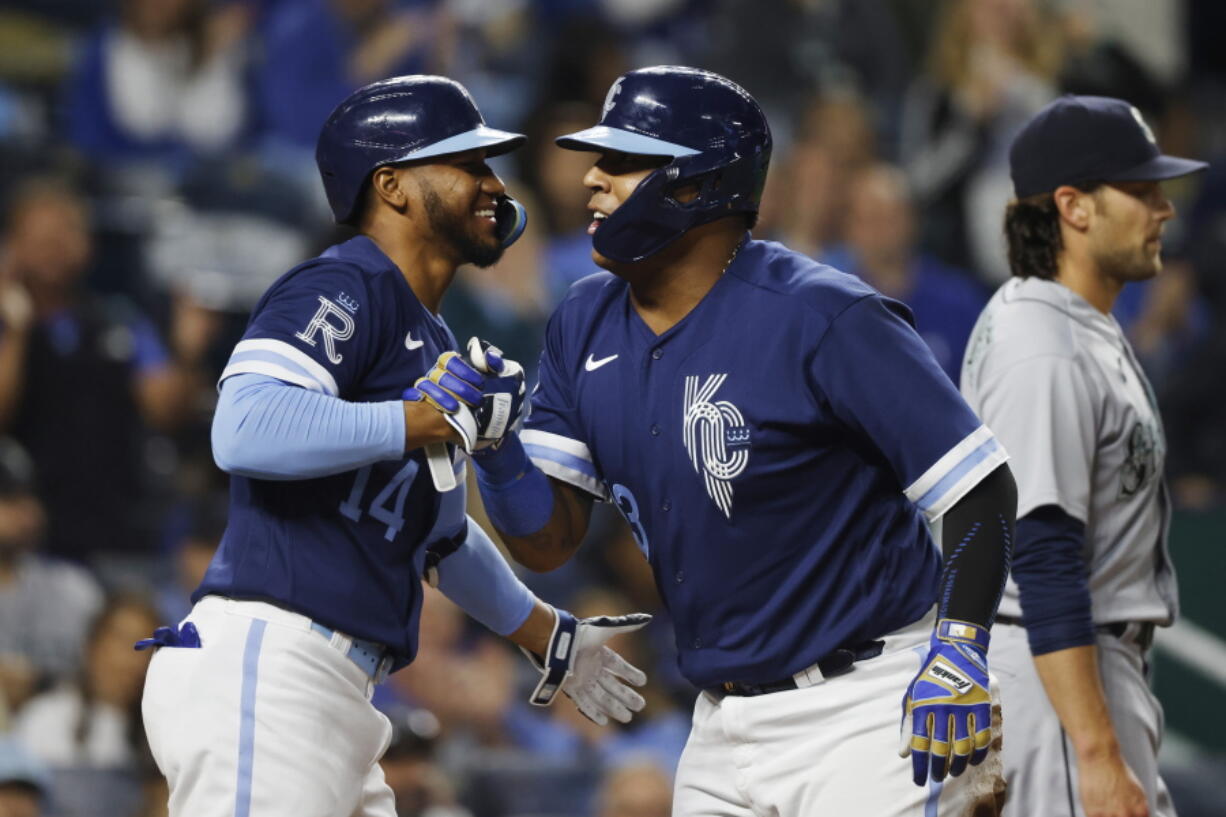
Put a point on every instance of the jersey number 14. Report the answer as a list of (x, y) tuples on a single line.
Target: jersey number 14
[(388, 505)]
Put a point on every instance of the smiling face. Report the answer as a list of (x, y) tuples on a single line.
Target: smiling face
[(1125, 237), (459, 194), (613, 179), (452, 199)]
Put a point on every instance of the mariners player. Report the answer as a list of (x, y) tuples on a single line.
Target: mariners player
[(1052, 375), (260, 703), (777, 435)]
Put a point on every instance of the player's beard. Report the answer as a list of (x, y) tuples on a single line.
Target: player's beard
[(1126, 264), (457, 228)]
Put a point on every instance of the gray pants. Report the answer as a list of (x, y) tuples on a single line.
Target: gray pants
[(1040, 767)]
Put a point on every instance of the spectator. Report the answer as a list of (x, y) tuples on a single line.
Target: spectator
[(95, 722), (879, 232), (162, 83), (991, 68), (189, 558), (804, 199), (24, 783), (317, 51), (637, 789), (46, 604), (78, 374)]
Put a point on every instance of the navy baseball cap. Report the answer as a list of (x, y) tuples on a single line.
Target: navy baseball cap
[(1078, 139)]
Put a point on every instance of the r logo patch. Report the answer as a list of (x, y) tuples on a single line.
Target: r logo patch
[(334, 323)]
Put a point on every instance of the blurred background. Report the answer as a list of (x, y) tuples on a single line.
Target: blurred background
[(157, 173)]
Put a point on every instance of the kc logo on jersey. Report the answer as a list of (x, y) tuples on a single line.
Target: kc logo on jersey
[(334, 323), (716, 438)]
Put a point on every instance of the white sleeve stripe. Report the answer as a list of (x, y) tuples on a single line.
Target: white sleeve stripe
[(295, 356), (546, 439), (981, 462), (272, 370), (571, 476), (952, 458)]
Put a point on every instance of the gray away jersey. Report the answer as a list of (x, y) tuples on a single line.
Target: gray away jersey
[(1058, 384)]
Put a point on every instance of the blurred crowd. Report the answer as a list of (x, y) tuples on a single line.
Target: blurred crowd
[(157, 173)]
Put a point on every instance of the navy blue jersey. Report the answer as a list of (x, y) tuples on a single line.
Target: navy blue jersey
[(345, 549), (776, 453)]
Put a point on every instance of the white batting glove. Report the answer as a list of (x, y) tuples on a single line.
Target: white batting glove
[(592, 675)]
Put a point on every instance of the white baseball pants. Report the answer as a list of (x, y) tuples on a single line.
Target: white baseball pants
[(265, 719), (828, 750)]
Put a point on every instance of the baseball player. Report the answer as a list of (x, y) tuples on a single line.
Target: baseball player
[(1051, 374), (777, 435), (259, 704)]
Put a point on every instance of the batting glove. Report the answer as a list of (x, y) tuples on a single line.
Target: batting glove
[(947, 711), (592, 675), (502, 396), (453, 387)]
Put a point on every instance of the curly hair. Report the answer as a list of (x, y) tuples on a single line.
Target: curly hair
[(1032, 230)]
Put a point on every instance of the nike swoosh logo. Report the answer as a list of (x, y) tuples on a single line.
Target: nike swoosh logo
[(592, 365), (411, 344)]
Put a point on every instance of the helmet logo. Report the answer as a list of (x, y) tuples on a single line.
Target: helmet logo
[(1149, 134), (611, 98)]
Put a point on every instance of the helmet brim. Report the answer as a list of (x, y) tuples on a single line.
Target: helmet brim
[(495, 142), (602, 137)]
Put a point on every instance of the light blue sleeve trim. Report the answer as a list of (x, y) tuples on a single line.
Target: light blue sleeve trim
[(478, 579), (266, 429), (540, 452)]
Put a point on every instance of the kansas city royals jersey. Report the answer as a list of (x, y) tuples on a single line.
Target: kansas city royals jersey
[(1058, 383), (344, 549), (775, 452)]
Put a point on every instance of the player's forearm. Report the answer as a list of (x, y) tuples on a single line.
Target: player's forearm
[(540, 520), (977, 535), (478, 579), (533, 635), (1075, 690), (266, 429)]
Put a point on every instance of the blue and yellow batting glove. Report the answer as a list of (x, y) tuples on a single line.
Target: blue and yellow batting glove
[(455, 388), (450, 383), (947, 711)]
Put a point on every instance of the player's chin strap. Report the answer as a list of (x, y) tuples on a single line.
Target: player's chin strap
[(556, 665)]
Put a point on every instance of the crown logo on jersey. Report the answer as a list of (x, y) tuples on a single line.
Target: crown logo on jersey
[(715, 437), (736, 437), (347, 302)]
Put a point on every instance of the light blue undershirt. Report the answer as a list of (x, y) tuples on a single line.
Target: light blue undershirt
[(267, 429), (478, 579)]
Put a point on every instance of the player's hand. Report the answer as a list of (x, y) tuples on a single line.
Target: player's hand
[(1108, 788), (947, 711), (593, 676), (502, 395), (453, 387)]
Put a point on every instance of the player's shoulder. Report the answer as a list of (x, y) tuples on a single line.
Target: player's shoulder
[(357, 263), (793, 280), (1035, 317)]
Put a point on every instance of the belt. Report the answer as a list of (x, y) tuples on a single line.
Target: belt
[(1140, 633), (838, 662), (371, 657)]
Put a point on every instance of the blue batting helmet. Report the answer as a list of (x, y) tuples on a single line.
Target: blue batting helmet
[(713, 131), (398, 120)]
